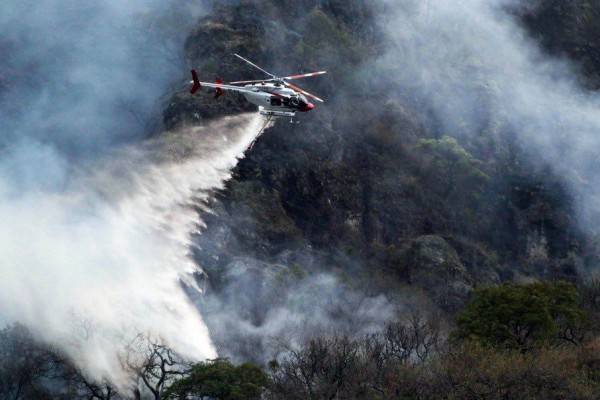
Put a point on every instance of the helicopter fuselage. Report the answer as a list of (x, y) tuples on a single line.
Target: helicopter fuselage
[(274, 98)]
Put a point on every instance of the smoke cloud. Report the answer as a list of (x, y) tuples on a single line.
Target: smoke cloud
[(96, 221), (476, 70), (263, 311)]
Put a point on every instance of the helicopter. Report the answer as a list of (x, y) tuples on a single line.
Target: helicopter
[(274, 96)]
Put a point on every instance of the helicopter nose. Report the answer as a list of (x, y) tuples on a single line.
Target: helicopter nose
[(310, 106)]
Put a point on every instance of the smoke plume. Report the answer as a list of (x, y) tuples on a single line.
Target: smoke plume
[(95, 220), (90, 267), (478, 72)]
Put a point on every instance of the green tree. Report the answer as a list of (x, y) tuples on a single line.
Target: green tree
[(450, 167), (220, 380), (523, 316), (455, 183)]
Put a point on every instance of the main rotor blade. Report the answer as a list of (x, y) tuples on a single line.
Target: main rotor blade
[(300, 76), (304, 92), (254, 65), (254, 81)]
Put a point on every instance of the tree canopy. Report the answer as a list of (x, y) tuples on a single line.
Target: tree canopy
[(220, 380), (522, 316)]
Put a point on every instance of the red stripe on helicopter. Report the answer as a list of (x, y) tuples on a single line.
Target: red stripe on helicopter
[(218, 90)]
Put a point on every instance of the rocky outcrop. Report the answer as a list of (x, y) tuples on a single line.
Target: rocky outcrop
[(433, 265), (568, 28)]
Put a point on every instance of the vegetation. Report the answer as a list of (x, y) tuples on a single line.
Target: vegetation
[(372, 186), (523, 317), (219, 379), (509, 342), (362, 183), (409, 359), (447, 161), (375, 179)]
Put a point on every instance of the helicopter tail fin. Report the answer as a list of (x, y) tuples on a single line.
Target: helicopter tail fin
[(196, 82), (218, 91)]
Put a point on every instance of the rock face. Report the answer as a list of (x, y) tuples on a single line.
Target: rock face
[(571, 29), (433, 265), (368, 185)]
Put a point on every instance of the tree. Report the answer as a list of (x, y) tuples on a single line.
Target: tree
[(24, 364), (383, 365), (325, 368), (523, 316), (393, 361), (455, 182), (220, 380), (155, 365), (451, 168), (78, 386), (473, 371)]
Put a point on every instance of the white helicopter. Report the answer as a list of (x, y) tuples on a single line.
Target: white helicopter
[(275, 96)]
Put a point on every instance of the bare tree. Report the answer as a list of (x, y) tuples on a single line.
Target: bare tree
[(80, 386), (154, 365), (412, 340), (24, 364), (381, 365), (322, 370)]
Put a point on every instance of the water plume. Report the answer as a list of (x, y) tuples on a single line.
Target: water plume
[(92, 266)]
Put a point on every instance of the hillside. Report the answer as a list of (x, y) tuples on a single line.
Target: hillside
[(430, 231), (369, 187)]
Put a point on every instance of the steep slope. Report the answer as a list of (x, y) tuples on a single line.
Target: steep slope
[(568, 29), (367, 187)]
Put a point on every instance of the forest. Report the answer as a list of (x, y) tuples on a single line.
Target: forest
[(429, 232)]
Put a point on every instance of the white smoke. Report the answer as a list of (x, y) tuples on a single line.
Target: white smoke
[(96, 222), (474, 67), (94, 232), (90, 267)]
